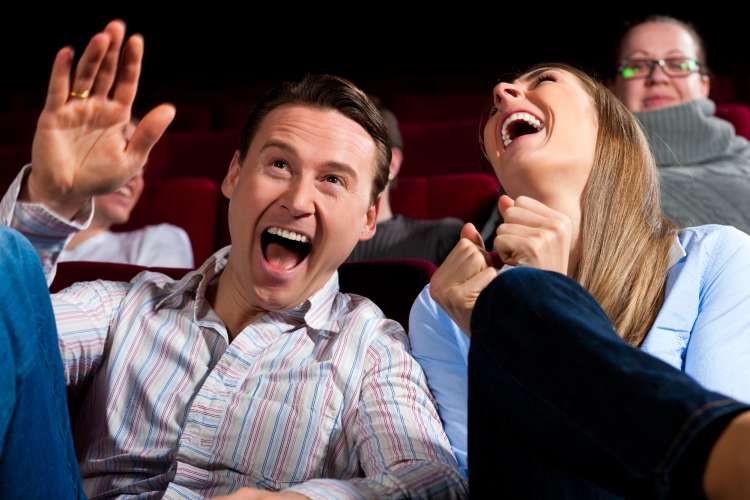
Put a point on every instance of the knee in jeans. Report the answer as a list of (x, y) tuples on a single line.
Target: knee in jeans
[(522, 287), (523, 293)]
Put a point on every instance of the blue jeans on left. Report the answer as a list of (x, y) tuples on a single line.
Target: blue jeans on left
[(37, 456)]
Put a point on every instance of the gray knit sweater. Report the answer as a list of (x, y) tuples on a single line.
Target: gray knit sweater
[(704, 167)]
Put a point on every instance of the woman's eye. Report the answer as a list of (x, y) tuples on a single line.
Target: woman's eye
[(545, 77)]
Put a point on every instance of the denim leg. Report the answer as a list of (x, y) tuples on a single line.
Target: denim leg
[(37, 457), (557, 401)]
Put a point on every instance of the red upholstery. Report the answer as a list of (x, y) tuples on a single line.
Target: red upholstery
[(723, 89), (468, 196), (738, 114), (190, 203), (193, 154), (74, 272), (192, 116), (393, 285), (432, 148), (233, 113)]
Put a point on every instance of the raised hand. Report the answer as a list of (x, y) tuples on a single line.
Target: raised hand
[(463, 275), (80, 146), (533, 235)]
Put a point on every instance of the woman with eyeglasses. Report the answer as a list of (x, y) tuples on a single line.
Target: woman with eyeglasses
[(704, 167)]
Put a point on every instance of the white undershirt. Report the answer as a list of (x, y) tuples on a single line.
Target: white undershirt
[(162, 245)]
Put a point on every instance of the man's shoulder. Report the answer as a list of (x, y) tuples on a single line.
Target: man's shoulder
[(153, 286), (362, 318)]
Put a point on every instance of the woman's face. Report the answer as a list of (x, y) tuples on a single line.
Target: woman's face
[(541, 134), (115, 208), (654, 41)]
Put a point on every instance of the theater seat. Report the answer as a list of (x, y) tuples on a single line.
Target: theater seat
[(193, 154), (392, 284), (723, 89), (187, 202), (738, 114), (469, 196), (435, 148)]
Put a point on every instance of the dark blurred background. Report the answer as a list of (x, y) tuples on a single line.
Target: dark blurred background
[(386, 49)]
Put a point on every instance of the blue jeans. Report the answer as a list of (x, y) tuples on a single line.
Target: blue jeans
[(561, 407), (37, 457)]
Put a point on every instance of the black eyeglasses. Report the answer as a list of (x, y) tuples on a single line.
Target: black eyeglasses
[(677, 67)]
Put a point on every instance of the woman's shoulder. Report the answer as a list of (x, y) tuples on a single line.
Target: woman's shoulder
[(712, 237), (718, 248)]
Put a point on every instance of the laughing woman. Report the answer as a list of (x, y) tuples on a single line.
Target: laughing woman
[(610, 355)]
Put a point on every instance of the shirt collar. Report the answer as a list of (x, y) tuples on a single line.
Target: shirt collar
[(318, 312), (196, 282), (676, 253)]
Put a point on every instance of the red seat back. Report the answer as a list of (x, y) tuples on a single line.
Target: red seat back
[(190, 203), (468, 197), (738, 114)]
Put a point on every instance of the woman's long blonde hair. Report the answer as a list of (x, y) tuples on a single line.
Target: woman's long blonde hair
[(625, 240)]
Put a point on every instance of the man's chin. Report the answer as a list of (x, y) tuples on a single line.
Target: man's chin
[(282, 297)]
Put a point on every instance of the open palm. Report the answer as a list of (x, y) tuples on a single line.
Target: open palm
[(80, 146)]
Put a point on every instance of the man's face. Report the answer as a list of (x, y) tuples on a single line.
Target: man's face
[(299, 202)]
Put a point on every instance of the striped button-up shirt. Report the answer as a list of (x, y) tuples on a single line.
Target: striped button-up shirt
[(323, 399)]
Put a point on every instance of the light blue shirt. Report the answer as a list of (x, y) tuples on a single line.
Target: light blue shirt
[(702, 329)]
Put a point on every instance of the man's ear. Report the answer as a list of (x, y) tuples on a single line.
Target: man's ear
[(233, 176), (371, 220), (397, 158)]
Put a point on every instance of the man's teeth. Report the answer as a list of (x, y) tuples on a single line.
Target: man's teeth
[(526, 117), (124, 191), (290, 235)]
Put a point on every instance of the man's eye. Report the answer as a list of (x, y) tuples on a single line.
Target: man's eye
[(333, 179)]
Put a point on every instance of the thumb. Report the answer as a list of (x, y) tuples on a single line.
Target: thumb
[(149, 131), (470, 233), (504, 203)]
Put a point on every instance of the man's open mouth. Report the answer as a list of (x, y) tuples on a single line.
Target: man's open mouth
[(283, 248)]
